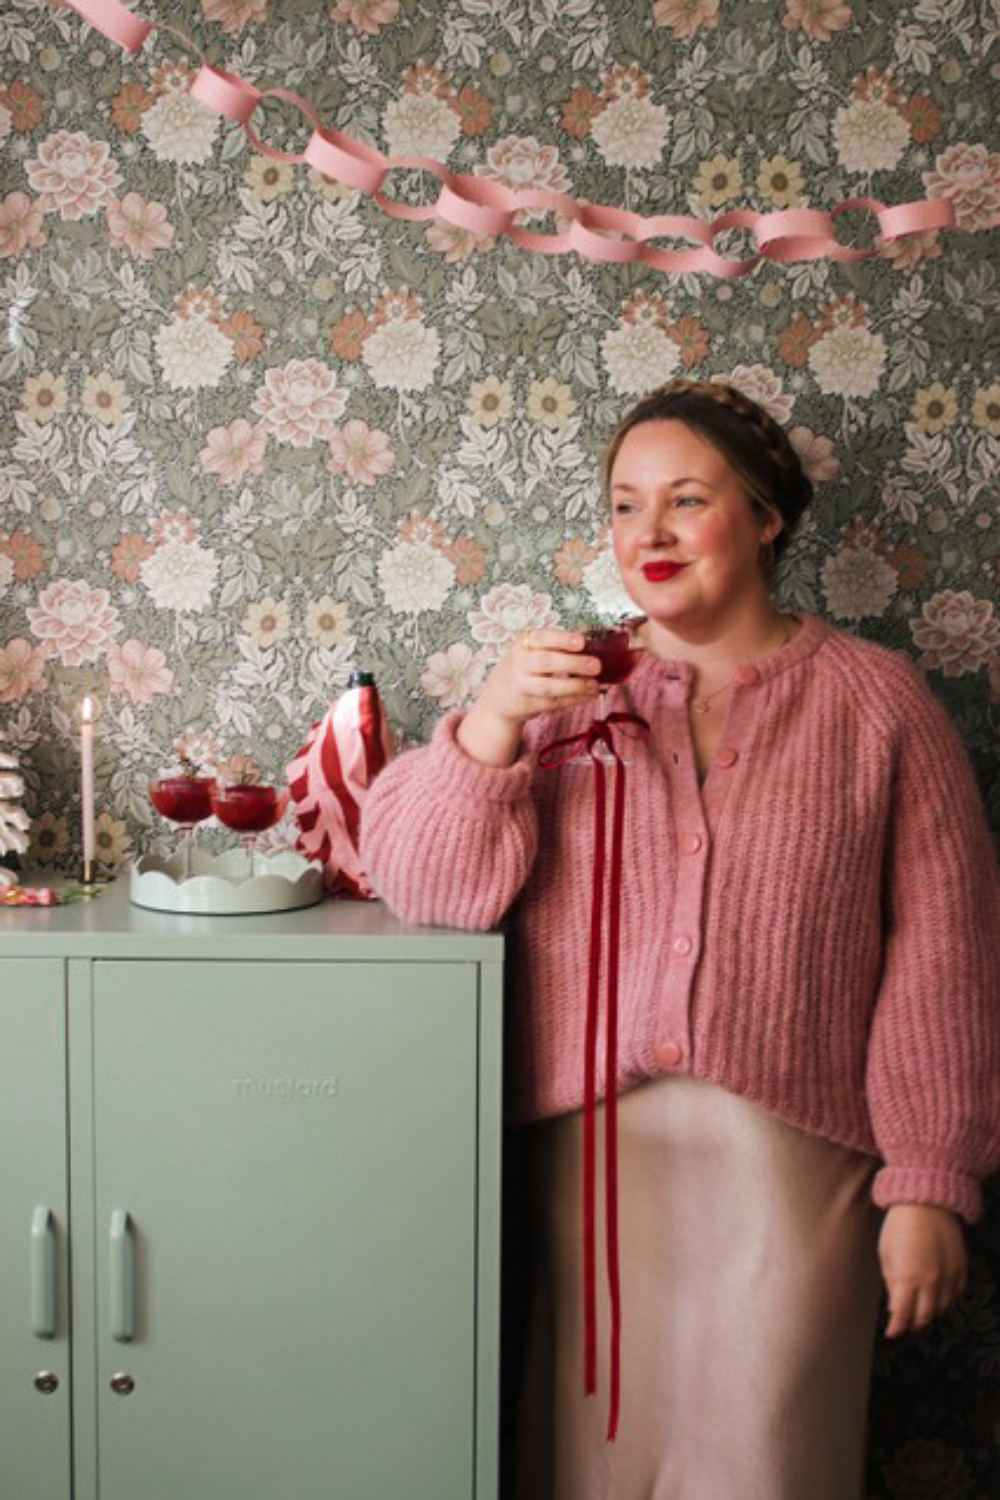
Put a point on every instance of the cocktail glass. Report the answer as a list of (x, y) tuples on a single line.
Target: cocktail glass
[(187, 801), (249, 809)]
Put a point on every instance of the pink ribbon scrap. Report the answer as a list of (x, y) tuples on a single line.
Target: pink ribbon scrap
[(486, 207)]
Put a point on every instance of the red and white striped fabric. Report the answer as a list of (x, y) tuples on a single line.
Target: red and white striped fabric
[(327, 782)]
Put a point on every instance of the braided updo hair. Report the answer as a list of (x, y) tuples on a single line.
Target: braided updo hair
[(754, 445)]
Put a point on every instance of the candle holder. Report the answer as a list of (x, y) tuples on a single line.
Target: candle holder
[(92, 873)]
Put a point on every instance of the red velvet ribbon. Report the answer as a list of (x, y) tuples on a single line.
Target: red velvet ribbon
[(599, 735)]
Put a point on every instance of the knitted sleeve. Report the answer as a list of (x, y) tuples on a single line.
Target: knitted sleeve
[(445, 839), (934, 1050)]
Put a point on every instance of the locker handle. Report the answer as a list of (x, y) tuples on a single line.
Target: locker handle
[(122, 1262), (43, 1274)]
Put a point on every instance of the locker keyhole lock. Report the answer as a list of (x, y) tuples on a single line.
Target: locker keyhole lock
[(46, 1382), (122, 1385)]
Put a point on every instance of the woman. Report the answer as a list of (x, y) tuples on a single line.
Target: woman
[(807, 1078)]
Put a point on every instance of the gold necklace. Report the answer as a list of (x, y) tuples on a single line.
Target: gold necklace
[(701, 705)]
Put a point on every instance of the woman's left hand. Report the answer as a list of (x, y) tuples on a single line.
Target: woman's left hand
[(924, 1263)]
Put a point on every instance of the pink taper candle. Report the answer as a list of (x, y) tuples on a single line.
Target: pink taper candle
[(87, 779)]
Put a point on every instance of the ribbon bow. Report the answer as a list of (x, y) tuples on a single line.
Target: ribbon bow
[(599, 741)]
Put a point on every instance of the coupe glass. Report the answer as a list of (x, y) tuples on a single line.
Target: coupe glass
[(617, 649), (249, 809), (185, 800)]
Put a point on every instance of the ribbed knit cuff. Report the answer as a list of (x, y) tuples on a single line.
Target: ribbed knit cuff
[(934, 1185), (470, 781)]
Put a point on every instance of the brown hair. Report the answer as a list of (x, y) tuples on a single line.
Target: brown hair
[(749, 439)]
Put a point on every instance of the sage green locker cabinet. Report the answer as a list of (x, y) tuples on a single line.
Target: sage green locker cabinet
[(34, 1244), (283, 1155)]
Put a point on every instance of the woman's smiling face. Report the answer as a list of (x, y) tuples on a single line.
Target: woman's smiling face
[(686, 536)]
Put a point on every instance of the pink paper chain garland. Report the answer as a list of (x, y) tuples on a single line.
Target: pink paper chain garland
[(485, 207)]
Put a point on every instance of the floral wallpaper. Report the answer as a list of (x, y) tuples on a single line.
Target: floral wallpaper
[(256, 433)]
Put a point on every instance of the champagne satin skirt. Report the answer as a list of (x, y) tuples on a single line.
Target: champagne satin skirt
[(750, 1291)]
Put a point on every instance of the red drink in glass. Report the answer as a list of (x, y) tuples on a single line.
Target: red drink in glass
[(248, 809), (613, 647), (183, 799)]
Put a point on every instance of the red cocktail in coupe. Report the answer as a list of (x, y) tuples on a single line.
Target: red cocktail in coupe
[(615, 649), (184, 799), (248, 809)]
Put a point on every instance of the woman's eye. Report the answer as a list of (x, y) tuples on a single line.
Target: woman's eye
[(690, 500)]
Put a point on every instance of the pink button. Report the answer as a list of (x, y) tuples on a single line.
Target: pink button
[(747, 675), (669, 1054), (691, 843), (727, 757), (683, 945)]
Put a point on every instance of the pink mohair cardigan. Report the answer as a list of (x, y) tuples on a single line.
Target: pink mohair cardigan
[(816, 927)]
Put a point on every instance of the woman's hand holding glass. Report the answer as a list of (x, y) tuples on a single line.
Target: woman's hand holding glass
[(545, 669)]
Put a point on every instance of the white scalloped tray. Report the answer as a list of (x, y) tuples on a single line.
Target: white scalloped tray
[(219, 885)]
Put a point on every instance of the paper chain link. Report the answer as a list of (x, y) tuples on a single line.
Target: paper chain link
[(486, 207)]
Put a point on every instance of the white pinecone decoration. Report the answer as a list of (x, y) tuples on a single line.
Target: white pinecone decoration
[(14, 821)]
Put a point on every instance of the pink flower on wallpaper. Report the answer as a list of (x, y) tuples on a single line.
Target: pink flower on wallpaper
[(683, 18), (233, 452), (957, 633), (969, 177), (522, 162), (905, 253), (365, 15), (74, 621), (361, 452), (21, 221), (22, 670), (819, 19), (139, 226), (816, 453), (73, 175), (233, 15), (175, 526), (300, 401), (138, 672)]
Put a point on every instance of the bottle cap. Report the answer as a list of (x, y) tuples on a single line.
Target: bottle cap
[(361, 679)]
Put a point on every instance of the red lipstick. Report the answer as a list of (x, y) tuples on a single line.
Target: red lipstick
[(661, 571)]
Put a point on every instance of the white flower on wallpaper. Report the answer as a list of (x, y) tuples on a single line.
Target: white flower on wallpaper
[(6, 573), (180, 129), (300, 402), (328, 622), (415, 577), (603, 584), (138, 672), (858, 583), (507, 610), (73, 175), (193, 352), (419, 124), (234, 451), (139, 226), (848, 360), (453, 676), (74, 621), (180, 575), (762, 385), (968, 175), (870, 135), (267, 621), (5, 123), (637, 357), (402, 354), (550, 403), (956, 632), (631, 131)]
